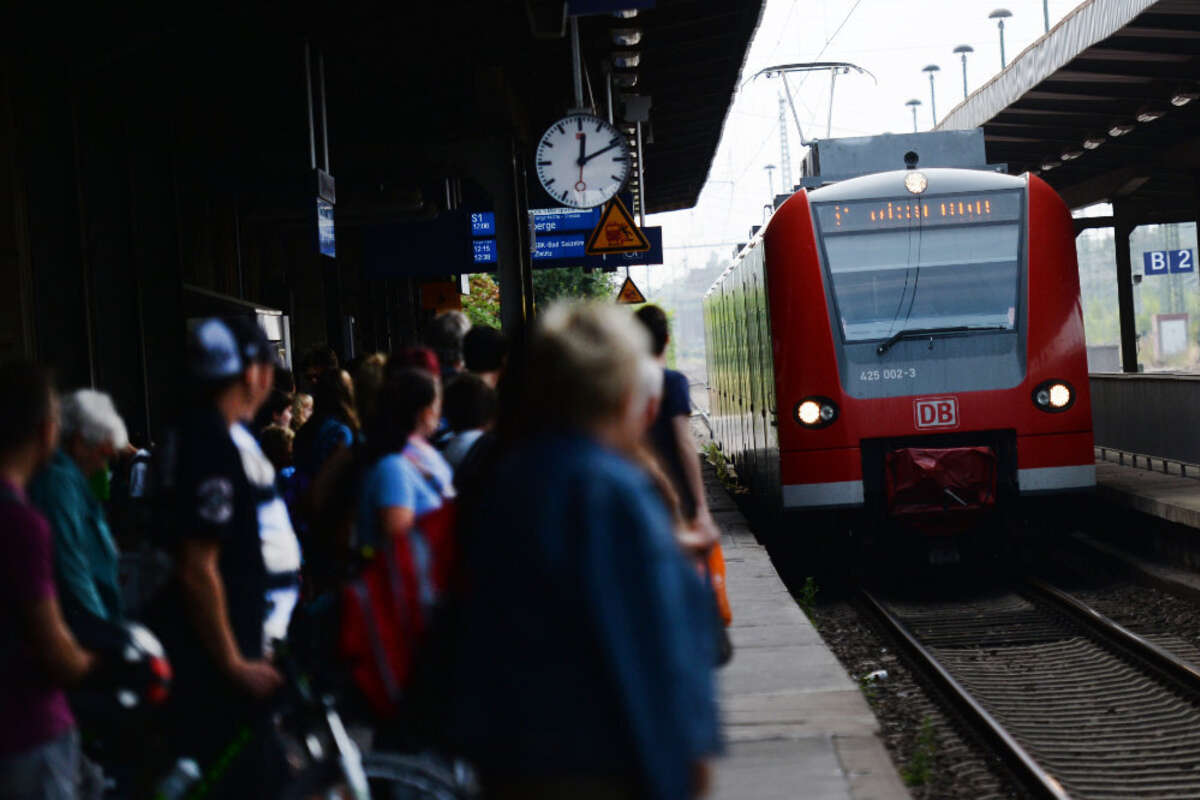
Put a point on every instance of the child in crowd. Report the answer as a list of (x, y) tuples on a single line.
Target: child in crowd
[(470, 410)]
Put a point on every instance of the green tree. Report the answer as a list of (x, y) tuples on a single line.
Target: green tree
[(570, 283), (482, 306)]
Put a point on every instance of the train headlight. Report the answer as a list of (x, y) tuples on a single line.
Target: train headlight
[(1060, 395), (816, 412), (915, 182), (1053, 396)]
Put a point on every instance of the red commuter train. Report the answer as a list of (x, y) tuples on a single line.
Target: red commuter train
[(907, 345)]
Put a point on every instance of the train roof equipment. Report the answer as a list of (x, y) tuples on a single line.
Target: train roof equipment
[(832, 160)]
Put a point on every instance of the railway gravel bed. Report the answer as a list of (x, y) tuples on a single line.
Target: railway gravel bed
[(1096, 722), (935, 760), (1170, 622)]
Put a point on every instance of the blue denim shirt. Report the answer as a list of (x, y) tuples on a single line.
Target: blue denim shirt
[(85, 557), (585, 644)]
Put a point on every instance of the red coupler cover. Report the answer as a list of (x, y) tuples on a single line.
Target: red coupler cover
[(939, 481)]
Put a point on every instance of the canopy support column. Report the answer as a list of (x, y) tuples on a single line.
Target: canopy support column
[(1123, 226)]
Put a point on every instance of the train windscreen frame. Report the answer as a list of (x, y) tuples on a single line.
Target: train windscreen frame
[(923, 262)]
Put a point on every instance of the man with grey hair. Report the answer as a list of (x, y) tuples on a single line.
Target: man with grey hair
[(445, 338), (85, 555)]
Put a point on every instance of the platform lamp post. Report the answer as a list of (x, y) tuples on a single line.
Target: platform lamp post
[(1001, 14), (1046, 13), (913, 105), (962, 50), (770, 168), (932, 69)]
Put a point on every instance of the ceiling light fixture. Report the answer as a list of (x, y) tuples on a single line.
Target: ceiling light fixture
[(626, 59), (625, 78), (626, 37), (1149, 114), (1120, 129), (1049, 165), (1184, 96), (1071, 155), (1093, 141)]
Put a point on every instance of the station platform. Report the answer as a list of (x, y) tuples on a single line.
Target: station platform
[(795, 723), (1167, 490)]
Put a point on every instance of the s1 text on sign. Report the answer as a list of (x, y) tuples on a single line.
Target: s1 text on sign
[(936, 412), (483, 223)]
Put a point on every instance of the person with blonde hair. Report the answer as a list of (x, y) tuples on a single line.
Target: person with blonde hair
[(583, 668), (86, 560)]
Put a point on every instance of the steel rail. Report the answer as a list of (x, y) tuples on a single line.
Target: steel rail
[(1158, 658), (1032, 774)]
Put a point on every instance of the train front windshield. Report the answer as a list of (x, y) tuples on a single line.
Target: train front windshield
[(948, 262)]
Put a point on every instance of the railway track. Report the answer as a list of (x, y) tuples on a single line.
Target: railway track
[(1077, 706)]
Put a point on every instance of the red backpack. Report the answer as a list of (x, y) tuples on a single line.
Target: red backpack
[(385, 611)]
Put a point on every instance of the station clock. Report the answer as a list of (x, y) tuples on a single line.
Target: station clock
[(583, 161)]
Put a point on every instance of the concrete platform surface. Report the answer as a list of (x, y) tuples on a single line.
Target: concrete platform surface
[(1171, 497), (796, 725)]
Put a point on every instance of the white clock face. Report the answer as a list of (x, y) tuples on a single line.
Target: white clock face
[(582, 161)]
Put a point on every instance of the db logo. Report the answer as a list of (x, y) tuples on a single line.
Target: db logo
[(936, 412)]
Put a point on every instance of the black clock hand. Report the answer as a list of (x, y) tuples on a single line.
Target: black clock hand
[(598, 152), (582, 148)]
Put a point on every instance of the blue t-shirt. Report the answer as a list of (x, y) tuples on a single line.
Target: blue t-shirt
[(583, 622), (393, 482), (331, 434), (676, 401)]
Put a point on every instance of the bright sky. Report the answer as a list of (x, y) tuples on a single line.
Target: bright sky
[(893, 39)]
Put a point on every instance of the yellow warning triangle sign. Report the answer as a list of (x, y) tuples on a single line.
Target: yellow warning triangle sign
[(616, 232), (630, 294)]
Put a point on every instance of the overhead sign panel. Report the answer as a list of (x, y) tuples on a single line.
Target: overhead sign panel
[(568, 250), (483, 223), (458, 242), (550, 220), (483, 251)]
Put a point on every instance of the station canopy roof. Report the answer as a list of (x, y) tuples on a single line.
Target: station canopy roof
[(692, 55), (1105, 106)]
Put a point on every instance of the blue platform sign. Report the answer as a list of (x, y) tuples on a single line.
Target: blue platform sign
[(568, 250), (483, 251), (549, 220), (1182, 261), (326, 239), (483, 223), (560, 246), (1160, 262)]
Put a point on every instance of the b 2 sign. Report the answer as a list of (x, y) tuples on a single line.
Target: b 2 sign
[(1160, 262)]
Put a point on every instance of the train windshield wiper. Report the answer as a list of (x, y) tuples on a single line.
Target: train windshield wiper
[(912, 333)]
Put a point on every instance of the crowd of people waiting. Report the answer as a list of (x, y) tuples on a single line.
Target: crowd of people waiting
[(535, 517)]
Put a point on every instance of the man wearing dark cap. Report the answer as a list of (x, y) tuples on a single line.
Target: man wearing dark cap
[(237, 560)]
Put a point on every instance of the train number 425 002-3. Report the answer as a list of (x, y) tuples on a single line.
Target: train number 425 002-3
[(890, 374)]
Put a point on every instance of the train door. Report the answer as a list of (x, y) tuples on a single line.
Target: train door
[(718, 378), (743, 370), (756, 359), (770, 413), (753, 399)]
